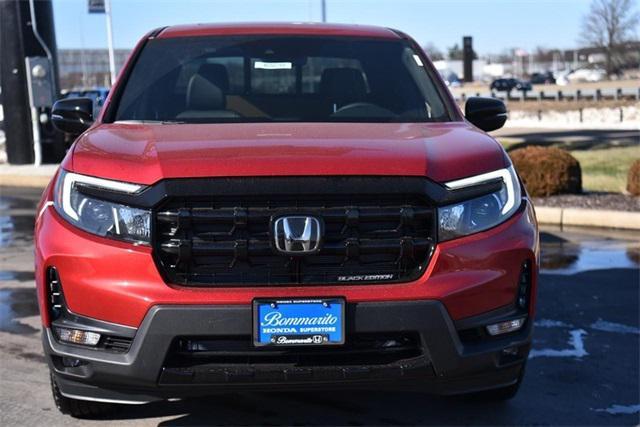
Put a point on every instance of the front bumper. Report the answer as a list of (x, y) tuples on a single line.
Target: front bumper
[(445, 365)]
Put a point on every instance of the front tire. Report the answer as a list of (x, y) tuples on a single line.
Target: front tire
[(79, 408)]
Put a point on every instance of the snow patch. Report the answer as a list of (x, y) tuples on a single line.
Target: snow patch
[(592, 118)]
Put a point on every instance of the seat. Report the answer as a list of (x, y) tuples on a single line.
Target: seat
[(216, 74), (206, 94), (342, 86)]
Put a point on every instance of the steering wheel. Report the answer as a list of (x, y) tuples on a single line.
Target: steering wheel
[(355, 105), (362, 108)]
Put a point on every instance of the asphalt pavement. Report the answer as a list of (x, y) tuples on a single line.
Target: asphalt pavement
[(569, 139), (583, 370)]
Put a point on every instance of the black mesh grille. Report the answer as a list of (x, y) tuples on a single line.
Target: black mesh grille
[(232, 359), (360, 349), (228, 240), (116, 344), (56, 298)]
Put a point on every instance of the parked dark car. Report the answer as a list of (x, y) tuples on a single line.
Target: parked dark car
[(542, 78), (451, 79), (507, 85)]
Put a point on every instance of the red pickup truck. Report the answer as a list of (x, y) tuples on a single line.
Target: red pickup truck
[(282, 206)]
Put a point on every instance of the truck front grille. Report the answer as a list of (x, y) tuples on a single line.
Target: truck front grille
[(227, 240)]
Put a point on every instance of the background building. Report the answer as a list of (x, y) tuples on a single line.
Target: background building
[(82, 68)]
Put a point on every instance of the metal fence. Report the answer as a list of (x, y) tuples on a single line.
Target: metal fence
[(559, 95)]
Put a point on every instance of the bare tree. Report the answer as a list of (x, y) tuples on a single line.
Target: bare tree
[(542, 54), (434, 53), (455, 52), (608, 25)]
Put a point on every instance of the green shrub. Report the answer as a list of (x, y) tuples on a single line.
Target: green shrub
[(546, 171)]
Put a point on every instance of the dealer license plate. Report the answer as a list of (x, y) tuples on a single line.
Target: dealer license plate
[(298, 322)]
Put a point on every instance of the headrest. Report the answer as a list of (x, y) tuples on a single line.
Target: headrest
[(204, 95), (343, 85), (216, 74)]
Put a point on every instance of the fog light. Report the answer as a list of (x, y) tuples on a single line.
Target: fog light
[(77, 336), (504, 327)]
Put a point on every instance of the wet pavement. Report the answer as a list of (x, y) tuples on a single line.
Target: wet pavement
[(583, 369), (17, 303), (573, 250)]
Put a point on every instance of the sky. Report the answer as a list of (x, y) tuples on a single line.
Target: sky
[(494, 24)]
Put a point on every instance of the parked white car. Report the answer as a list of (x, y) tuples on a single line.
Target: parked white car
[(561, 77), (587, 75)]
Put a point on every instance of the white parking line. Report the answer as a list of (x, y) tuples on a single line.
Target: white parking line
[(603, 325), (548, 323), (620, 409), (575, 341)]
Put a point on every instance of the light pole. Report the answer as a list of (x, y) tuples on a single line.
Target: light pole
[(324, 11), (112, 59)]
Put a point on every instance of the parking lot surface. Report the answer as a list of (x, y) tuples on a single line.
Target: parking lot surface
[(583, 369)]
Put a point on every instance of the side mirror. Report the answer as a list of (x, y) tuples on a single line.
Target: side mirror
[(486, 113), (73, 115)]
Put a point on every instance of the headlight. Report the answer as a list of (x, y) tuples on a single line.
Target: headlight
[(481, 213), (101, 217)]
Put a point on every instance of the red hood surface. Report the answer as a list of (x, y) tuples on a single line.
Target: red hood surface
[(146, 153)]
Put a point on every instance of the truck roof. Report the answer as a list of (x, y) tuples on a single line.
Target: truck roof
[(292, 28)]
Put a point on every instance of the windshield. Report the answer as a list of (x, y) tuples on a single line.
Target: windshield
[(279, 79)]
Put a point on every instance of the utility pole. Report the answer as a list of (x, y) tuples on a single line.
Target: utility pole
[(28, 78), (324, 11), (15, 96), (467, 58), (112, 60)]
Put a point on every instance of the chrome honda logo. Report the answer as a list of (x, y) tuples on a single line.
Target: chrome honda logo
[(297, 235)]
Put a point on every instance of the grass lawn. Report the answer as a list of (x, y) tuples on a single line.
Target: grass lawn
[(606, 169), (602, 169)]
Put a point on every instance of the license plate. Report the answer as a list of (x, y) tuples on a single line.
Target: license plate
[(298, 322)]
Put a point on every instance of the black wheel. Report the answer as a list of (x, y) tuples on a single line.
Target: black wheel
[(79, 408)]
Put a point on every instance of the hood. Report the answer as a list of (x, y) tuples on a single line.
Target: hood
[(146, 153)]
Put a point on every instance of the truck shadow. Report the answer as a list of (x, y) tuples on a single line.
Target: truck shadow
[(323, 408)]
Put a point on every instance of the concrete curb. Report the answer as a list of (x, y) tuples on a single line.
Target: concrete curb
[(24, 181), (27, 176), (588, 217)]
